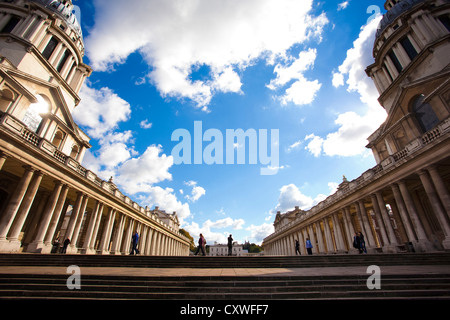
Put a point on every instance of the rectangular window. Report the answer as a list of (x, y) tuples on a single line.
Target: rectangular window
[(12, 23), (47, 53), (63, 60), (409, 48), (395, 61), (445, 20)]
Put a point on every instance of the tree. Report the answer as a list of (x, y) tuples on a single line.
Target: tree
[(191, 242)]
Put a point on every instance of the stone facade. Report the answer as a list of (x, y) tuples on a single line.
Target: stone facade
[(222, 250), (403, 203), (45, 193)]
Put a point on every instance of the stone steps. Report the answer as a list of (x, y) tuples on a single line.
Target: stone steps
[(224, 262), (279, 286), (235, 288)]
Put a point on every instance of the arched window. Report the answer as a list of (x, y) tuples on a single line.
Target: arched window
[(33, 116), (58, 138), (75, 151), (6, 98), (424, 114)]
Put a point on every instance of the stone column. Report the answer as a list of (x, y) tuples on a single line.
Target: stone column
[(423, 243), (73, 248), (383, 233), (369, 234), (349, 226), (387, 219), (92, 244), (73, 217), (441, 189), (313, 239), (14, 203), (22, 214), (329, 239), (149, 243), (38, 242), (337, 232), (107, 230), (320, 237), (437, 207), (118, 236), (403, 213), (90, 229), (54, 220)]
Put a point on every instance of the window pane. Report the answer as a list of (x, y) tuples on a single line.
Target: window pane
[(9, 27), (409, 48), (395, 61), (425, 114), (50, 48)]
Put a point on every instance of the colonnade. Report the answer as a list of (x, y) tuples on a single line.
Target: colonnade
[(41, 209), (408, 214)]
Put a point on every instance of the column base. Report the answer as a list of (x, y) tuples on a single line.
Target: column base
[(72, 250), (423, 246), (39, 247), (10, 246), (446, 243), (390, 249)]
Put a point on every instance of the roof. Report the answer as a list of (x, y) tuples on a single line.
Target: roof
[(396, 11), (65, 10)]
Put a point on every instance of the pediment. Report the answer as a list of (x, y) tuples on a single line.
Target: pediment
[(30, 87)]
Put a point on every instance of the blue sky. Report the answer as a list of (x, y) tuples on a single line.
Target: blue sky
[(292, 66)]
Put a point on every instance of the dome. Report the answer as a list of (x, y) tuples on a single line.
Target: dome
[(396, 11), (64, 9)]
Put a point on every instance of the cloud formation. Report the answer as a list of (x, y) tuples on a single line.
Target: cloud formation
[(351, 137), (176, 37)]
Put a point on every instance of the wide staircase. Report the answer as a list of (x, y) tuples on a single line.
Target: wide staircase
[(288, 285)]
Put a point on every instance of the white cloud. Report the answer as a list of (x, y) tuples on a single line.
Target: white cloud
[(351, 137), (211, 235), (258, 233), (166, 200), (196, 193), (302, 91), (100, 110), (175, 36), (139, 174), (343, 5), (144, 124), (290, 197)]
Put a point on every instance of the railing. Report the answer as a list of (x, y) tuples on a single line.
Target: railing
[(414, 146), (17, 127)]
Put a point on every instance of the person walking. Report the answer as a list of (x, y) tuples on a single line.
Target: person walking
[(362, 243), (357, 242), (134, 242), (201, 245), (297, 247), (230, 245), (65, 245), (309, 246)]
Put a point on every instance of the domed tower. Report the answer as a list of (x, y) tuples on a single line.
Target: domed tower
[(411, 72), (42, 71)]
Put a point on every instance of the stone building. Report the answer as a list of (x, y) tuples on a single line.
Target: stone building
[(44, 191), (222, 250), (403, 203)]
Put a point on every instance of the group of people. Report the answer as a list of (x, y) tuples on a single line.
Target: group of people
[(308, 246), (134, 244), (202, 244), (358, 243)]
